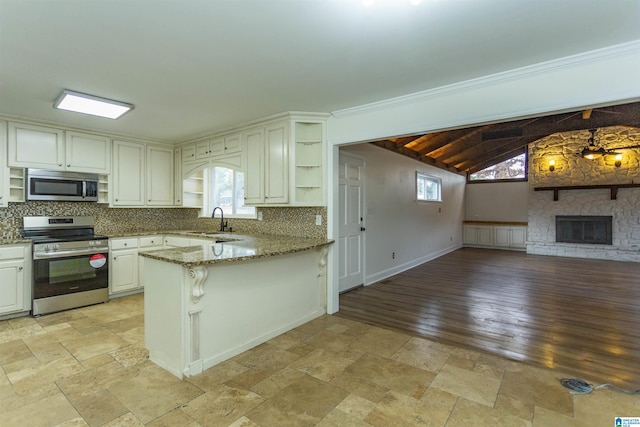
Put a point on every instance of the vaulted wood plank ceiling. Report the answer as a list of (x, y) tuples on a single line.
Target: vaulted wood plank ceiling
[(472, 149)]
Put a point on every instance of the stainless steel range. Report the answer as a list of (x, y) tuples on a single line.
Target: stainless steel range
[(70, 263)]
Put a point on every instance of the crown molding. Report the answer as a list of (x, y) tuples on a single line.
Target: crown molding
[(497, 78)]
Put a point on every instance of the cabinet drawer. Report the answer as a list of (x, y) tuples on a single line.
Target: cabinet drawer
[(147, 241), (12, 252), (176, 241), (123, 244)]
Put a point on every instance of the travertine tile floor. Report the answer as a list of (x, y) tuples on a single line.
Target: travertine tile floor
[(89, 367)]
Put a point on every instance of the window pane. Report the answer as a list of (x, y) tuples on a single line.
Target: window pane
[(428, 188), (513, 168), (227, 192)]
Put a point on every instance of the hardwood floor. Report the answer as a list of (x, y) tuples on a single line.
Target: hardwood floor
[(578, 316)]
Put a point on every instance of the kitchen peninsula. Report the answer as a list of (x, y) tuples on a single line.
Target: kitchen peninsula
[(206, 303)]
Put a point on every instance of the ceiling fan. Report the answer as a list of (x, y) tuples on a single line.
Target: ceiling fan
[(593, 150)]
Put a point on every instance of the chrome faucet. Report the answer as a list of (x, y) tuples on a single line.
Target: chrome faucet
[(223, 224)]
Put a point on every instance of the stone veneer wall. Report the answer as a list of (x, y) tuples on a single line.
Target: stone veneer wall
[(571, 169), (298, 222)]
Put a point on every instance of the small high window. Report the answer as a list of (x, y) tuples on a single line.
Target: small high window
[(428, 188), (511, 169)]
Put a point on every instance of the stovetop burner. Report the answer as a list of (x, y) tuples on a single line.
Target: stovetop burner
[(44, 229)]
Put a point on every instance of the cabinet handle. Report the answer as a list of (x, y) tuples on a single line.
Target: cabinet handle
[(124, 244), (69, 165), (149, 200), (116, 200), (60, 164), (20, 268)]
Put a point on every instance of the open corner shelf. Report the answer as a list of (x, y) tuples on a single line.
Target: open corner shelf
[(612, 187)]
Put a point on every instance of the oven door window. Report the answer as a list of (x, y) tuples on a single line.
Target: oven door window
[(61, 276)]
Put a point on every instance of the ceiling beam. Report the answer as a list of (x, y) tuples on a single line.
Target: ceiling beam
[(414, 155)]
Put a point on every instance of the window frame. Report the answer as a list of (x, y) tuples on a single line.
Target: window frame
[(525, 179), (426, 177), (208, 204)]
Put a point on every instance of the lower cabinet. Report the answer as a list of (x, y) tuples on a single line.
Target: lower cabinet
[(497, 236), (15, 279), (123, 265)]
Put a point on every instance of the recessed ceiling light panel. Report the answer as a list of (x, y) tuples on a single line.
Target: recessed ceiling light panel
[(90, 104)]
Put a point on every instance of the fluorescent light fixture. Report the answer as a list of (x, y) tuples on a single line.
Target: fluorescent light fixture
[(90, 104)]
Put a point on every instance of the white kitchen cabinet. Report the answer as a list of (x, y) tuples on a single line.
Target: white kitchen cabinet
[(176, 242), (123, 265), (177, 177), (189, 153), (142, 175), (159, 188), (267, 165), (33, 146), (128, 174), (5, 190), (147, 243), (15, 279), (219, 146), (87, 153)]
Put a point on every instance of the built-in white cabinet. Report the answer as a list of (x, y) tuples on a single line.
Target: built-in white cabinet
[(177, 177), (219, 146), (266, 177), (159, 188), (123, 265), (495, 236), (128, 180), (142, 175), (5, 190), (33, 146), (308, 151), (87, 153), (478, 235), (15, 279), (510, 236)]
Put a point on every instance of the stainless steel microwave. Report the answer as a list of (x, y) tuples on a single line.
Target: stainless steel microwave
[(41, 184)]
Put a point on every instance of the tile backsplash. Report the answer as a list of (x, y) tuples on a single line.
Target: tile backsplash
[(285, 221)]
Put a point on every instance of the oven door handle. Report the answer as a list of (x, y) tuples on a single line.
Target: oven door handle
[(66, 254)]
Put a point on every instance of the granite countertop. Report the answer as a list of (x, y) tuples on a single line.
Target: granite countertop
[(231, 248)]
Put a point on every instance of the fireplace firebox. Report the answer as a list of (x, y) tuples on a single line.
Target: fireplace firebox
[(584, 229)]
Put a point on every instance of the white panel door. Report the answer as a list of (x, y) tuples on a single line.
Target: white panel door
[(159, 189), (351, 234), (276, 164)]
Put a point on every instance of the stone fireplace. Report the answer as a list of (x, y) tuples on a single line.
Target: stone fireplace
[(579, 204)]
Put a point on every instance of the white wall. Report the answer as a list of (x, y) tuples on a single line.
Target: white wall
[(497, 201), (395, 222)]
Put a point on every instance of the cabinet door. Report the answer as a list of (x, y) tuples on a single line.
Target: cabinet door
[(124, 270), (202, 150), (233, 143), (276, 164), (470, 236), (502, 236), (177, 177), (12, 286), (189, 153), (87, 153), (36, 147), (485, 235), (159, 188), (216, 147), (254, 170), (518, 237), (128, 173)]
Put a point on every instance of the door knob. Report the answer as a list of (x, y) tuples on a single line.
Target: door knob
[(362, 228)]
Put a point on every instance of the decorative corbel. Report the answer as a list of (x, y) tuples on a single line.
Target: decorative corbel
[(198, 275)]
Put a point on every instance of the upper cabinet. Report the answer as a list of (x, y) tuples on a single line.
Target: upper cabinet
[(33, 146), (5, 189), (142, 175), (283, 160), (87, 153)]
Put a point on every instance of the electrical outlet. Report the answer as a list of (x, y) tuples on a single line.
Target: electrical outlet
[(318, 219), (259, 216)]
